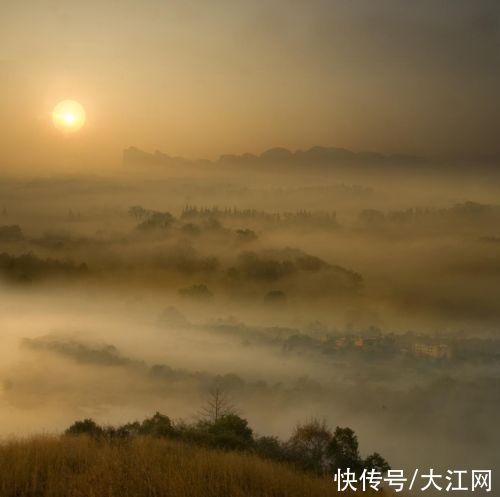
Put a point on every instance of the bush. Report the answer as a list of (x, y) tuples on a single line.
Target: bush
[(312, 447), (85, 427), (377, 462), (230, 432), (158, 425), (271, 448)]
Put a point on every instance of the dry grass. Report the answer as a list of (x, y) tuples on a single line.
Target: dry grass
[(71, 467)]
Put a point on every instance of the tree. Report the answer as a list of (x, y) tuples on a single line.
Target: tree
[(275, 297), (216, 406), (343, 450), (309, 445), (158, 425), (270, 448), (128, 430), (199, 292), (86, 427), (377, 462), (229, 431), (138, 212), (156, 221)]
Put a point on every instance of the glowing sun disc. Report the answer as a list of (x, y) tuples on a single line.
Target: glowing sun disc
[(68, 116)]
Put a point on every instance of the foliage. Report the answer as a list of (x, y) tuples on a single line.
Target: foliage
[(156, 221), (28, 267), (230, 432), (311, 448), (85, 427), (309, 445), (158, 425), (377, 462), (270, 448), (199, 292), (275, 297), (11, 233), (343, 450)]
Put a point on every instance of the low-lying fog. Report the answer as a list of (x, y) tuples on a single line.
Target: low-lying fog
[(369, 301)]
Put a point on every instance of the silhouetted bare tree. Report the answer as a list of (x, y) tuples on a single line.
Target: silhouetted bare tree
[(217, 406)]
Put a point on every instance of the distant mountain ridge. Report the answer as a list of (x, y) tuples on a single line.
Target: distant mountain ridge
[(317, 155)]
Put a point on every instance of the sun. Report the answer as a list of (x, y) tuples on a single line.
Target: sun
[(68, 116)]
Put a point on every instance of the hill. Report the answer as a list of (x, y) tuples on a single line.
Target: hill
[(279, 156), (143, 466)]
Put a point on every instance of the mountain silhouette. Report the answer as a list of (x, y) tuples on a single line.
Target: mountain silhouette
[(279, 156)]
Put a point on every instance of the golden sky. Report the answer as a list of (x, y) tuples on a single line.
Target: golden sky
[(199, 78)]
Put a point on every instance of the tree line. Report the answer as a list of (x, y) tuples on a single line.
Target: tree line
[(312, 447)]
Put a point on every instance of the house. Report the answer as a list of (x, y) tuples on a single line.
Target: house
[(433, 351)]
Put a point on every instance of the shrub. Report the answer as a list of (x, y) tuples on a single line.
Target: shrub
[(85, 427)]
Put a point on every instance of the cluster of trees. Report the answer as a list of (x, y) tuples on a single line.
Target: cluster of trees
[(209, 219), (312, 447), (463, 212), (263, 267), (156, 221), (28, 267), (11, 233), (199, 292), (299, 216)]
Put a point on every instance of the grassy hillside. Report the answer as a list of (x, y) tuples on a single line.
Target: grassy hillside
[(140, 467)]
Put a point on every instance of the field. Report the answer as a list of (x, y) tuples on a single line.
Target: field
[(73, 467)]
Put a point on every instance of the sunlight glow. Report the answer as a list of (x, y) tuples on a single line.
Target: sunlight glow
[(68, 116)]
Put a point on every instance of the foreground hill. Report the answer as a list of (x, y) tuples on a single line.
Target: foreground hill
[(140, 467)]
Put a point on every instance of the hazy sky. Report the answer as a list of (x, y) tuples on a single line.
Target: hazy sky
[(199, 78)]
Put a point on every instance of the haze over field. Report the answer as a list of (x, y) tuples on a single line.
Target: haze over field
[(294, 290), (296, 203)]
